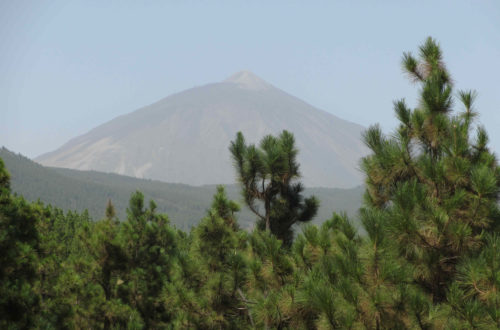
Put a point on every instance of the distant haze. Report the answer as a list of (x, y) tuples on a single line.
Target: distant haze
[(184, 138)]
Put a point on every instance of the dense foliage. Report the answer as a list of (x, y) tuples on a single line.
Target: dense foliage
[(429, 258)]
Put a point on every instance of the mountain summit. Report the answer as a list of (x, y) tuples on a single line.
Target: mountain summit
[(248, 80), (184, 138)]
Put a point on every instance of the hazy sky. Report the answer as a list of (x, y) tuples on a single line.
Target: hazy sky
[(66, 67)]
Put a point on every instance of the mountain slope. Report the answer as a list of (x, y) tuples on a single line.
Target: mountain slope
[(184, 138), (185, 205)]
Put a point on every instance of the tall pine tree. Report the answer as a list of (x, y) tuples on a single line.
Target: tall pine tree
[(436, 186), (268, 174)]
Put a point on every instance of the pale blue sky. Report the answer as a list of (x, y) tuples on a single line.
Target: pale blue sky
[(68, 66)]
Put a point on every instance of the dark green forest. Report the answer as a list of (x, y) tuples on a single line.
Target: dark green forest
[(77, 191), (428, 256)]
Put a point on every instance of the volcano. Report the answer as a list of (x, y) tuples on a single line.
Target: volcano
[(184, 137)]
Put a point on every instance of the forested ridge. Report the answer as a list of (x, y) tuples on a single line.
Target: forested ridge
[(429, 257), (74, 190)]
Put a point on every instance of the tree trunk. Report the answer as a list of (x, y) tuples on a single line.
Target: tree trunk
[(268, 215)]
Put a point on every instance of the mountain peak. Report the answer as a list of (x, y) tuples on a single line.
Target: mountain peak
[(166, 140), (248, 80)]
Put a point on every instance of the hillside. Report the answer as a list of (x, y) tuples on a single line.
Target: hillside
[(185, 205), (184, 138)]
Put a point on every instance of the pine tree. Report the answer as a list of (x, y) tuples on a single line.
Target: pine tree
[(269, 175), (437, 188), (19, 259), (106, 267), (60, 271), (110, 210), (271, 282), (150, 246), (223, 267)]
